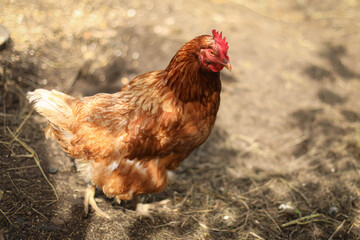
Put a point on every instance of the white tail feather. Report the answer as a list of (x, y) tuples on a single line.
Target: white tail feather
[(52, 105)]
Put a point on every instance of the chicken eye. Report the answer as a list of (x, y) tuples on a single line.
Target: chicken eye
[(211, 53)]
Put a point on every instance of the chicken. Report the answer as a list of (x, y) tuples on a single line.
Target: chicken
[(125, 143)]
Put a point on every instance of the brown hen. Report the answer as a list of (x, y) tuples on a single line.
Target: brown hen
[(125, 143)]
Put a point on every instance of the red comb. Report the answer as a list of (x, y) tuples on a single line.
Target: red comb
[(220, 41), (221, 44)]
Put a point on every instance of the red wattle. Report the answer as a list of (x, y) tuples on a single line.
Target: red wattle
[(216, 67)]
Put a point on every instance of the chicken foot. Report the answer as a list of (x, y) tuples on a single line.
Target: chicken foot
[(90, 200), (145, 210)]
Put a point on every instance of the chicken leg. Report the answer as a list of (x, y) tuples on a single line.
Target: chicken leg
[(90, 200)]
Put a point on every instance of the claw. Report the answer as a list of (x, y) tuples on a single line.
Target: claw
[(145, 210), (89, 200), (118, 199)]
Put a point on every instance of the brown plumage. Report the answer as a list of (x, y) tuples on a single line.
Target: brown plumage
[(125, 143)]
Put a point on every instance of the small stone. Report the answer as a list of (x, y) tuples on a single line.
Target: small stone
[(333, 211), (49, 227), (53, 170), (287, 208), (57, 221)]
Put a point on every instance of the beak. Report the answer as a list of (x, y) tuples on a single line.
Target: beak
[(228, 66)]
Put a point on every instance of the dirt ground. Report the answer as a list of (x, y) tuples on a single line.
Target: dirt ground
[(283, 161)]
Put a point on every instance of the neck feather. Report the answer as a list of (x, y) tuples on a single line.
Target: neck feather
[(188, 78)]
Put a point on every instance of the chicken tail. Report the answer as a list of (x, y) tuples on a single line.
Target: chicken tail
[(56, 106)]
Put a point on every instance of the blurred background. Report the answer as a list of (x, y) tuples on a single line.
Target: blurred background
[(282, 161)]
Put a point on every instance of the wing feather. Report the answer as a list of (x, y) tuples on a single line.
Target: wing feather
[(123, 125)]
